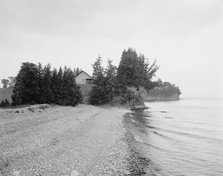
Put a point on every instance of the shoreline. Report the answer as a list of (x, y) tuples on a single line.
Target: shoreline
[(138, 164), (68, 141), (161, 99)]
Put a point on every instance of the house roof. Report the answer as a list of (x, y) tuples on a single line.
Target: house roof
[(83, 72)]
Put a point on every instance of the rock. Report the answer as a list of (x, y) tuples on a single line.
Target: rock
[(44, 106), (74, 173), (31, 109), (16, 173), (3, 163)]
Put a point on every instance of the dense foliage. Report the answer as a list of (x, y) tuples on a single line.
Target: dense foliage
[(4, 103), (165, 89), (37, 84), (8, 83), (105, 83), (135, 70), (5, 83)]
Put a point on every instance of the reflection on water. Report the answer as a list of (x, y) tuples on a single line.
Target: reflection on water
[(181, 138)]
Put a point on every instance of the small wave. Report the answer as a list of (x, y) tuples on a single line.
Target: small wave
[(142, 141), (163, 136), (185, 134), (164, 111), (137, 138), (156, 147), (133, 120), (169, 117)]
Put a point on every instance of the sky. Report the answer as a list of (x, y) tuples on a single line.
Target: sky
[(184, 36)]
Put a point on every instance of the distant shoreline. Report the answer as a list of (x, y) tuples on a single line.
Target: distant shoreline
[(152, 99)]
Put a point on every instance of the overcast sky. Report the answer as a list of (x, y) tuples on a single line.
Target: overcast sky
[(184, 36)]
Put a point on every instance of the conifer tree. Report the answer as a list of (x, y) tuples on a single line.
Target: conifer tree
[(40, 85), (105, 83), (26, 88), (71, 93), (135, 70), (54, 86), (35, 84), (46, 92), (59, 85)]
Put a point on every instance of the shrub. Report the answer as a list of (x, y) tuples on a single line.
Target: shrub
[(99, 96), (4, 103)]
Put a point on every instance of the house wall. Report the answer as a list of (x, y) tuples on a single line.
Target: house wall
[(86, 89), (81, 78)]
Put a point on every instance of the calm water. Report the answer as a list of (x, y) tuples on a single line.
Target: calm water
[(182, 137)]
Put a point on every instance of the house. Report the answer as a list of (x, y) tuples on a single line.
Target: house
[(84, 81), (83, 78)]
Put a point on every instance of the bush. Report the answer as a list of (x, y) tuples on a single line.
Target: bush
[(4, 103), (127, 97), (99, 96)]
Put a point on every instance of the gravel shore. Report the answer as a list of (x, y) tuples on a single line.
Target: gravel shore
[(65, 141), (45, 140)]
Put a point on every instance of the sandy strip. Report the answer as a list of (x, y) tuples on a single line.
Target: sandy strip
[(64, 141)]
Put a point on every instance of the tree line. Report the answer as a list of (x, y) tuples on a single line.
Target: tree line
[(165, 90), (36, 84), (134, 70)]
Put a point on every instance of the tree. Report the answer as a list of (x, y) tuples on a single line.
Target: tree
[(135, 70), (77, 71), (98, 70), (111, 78), (54, 85), (111, 70), (165, 90), (97, 94), (26, 89), (5, 83), (127, 66), (12, 81), (46, 88), (105, 82), (4, 103), (57, 86), (59, 99), (38, 84), (71, 91)]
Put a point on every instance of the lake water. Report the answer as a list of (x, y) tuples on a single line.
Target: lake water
[(182, 137)]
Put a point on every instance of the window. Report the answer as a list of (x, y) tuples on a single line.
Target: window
[(88, 81)]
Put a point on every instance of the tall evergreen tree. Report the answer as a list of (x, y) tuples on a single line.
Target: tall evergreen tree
[(35, 84), (135, 70), (40, 85), (26, 87), (54, 86), (46, 91), (97, 94), (76, 71), (105, 83), (59, 96), (71, 91), (127, 67)]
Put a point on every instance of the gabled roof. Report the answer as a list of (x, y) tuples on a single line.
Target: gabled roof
[(83, 72)]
